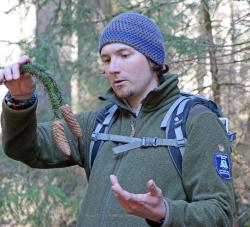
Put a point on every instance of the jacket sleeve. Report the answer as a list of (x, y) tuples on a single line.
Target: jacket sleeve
[(32, 143), (206, 177)]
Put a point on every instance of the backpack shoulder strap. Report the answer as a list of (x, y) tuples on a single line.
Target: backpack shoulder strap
[(175, 120), (172, 124), (104, 121)]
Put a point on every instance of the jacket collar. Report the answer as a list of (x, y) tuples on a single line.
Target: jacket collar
[(163, 95)]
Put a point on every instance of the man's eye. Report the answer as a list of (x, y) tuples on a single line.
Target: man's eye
[(105, 61), (125, 55)]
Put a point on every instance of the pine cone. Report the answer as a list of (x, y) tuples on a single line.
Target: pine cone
[(71, 120), (59, 137)]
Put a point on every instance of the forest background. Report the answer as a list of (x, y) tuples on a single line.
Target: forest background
[(208, 48)]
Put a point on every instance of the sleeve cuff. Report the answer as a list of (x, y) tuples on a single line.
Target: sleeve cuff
[(169, 215), (165, 221)]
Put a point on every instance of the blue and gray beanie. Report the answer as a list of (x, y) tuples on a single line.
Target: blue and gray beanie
[(137, 31)]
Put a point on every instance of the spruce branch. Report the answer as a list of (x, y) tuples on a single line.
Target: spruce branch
[(50, 86), (60, 109)]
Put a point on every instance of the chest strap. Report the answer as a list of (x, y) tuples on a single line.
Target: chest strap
[(134, 142)]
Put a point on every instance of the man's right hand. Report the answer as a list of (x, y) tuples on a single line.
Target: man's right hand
[(20, 86)]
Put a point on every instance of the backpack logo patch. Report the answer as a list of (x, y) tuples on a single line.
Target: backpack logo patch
[(223, 165)]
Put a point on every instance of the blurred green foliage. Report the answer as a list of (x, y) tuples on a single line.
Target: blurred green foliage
[(36, 197)]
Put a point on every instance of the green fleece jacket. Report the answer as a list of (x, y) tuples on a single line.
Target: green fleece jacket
[(201, 198)]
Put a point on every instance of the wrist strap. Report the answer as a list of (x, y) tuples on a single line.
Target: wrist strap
[(19, 104)]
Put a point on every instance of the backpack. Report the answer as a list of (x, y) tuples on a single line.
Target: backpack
[(174, 124)]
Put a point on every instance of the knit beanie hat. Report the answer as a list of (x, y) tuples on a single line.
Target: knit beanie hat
[(137, 31)]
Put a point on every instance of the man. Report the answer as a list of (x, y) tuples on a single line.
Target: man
[(149, 188)]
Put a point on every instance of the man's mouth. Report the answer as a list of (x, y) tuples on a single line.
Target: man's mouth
[(118, 83)]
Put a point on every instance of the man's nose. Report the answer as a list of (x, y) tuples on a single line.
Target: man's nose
[(113, 66)]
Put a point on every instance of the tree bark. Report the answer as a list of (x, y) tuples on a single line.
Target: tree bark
[(211, 51)]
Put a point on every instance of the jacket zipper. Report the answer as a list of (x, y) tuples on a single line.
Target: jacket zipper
[(132, 125), (109, 194), (115, 171)]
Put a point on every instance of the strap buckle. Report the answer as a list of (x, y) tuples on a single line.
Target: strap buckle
[(149, 142), (94, 136)]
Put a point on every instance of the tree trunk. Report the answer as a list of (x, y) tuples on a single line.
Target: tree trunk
[(211, 51), (201, 70)]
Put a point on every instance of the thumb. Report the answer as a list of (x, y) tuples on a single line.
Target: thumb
[(153, 189), (24, 59)]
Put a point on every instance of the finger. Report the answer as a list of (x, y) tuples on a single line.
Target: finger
[(8, 73), (2, 79), (114, 180), (119, 192), (23, 59), (15, 71), (153, 189), (116, 187)]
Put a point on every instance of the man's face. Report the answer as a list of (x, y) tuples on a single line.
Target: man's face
[(128, 71)]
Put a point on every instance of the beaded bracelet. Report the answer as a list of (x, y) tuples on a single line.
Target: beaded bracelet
[(19, 104)]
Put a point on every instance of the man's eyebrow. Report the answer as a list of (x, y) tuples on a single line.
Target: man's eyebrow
[(123, 49), (104, 55), (118, 51)]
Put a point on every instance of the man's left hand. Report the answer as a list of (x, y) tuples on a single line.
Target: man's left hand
[(149, 205)]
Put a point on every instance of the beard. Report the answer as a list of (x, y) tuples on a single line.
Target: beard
[(123, 92)]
